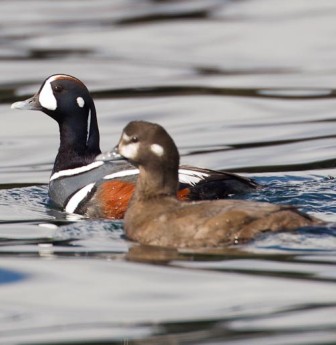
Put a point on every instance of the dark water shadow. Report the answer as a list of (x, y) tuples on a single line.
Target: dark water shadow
[(9, 276)]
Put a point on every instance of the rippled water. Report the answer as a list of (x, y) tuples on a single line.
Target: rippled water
[(242, 86)]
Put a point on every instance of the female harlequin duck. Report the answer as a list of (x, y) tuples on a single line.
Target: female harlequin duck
[(79, 184), (156, 217)]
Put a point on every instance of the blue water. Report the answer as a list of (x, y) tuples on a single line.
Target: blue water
[(245, 86)]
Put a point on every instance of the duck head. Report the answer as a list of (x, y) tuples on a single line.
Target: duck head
[(67, 100)]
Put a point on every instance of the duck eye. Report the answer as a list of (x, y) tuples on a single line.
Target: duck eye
[(134, 139), (58, 88)]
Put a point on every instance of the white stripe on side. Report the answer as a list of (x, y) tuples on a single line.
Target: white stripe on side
[(78, 197), (71, 172), (185, 176), (191, 177), (122, 173)]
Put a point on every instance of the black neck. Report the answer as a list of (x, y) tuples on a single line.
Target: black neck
[(77, 146)]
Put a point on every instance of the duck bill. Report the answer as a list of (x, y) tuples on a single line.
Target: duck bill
[(113, 155), (29, 104)]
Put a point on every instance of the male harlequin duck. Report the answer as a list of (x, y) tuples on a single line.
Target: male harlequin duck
[(156, 217), (79, 184)]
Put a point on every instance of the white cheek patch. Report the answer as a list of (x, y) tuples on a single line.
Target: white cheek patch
[(46, 97), (157, 150), (129, 151), (80, 101)]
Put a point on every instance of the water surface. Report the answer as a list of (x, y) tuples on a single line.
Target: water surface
[(244, 86)]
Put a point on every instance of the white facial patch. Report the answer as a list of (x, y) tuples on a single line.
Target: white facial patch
[(46, 97), (129, 151), (157, 149), (80, 101), (126, 137)]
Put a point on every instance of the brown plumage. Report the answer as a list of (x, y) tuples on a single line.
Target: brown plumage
[(156, 217)]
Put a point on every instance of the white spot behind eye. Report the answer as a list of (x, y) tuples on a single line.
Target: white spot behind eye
[(80, 101), (129, 151), (157, 149), (46, 97)]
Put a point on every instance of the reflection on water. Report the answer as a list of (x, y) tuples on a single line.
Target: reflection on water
[(245, 86), (7, 277)]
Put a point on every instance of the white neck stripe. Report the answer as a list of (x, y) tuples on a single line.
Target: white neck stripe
[(88, 126), (78, 197), (76, 171)]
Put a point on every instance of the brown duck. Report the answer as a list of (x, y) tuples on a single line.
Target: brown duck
[(156, 217)]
